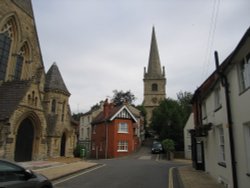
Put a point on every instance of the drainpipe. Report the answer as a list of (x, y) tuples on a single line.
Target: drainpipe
[(225, 84), (106, 140)]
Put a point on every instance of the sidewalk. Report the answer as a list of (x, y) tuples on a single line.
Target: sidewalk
[(59, 167), (191, 178)]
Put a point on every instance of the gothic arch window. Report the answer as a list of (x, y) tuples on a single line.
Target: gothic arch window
[(8, 34), (154, 87), (22, 57), (53, 106)]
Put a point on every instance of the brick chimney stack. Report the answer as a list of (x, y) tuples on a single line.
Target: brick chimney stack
[(106, 108)]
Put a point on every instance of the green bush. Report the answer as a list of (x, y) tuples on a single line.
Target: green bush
[(168, 145), (77, 150)]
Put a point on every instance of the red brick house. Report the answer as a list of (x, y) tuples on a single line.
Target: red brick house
[(114, 132)]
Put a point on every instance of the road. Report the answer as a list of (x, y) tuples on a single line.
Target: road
[(140, 170)]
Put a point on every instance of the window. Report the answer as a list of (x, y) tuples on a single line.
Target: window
[(204, 110), (221, 145), (217, 98), (5, 43), (244, 73), (122, 146), (154, 87), (82, 132), (93, 145), (88, 133), (19, 66), (94, 129), (10, 172), (123, 128), (53, 106), (63, 108), (247, 146)]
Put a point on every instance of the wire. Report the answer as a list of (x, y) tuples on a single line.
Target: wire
[(211, 36)]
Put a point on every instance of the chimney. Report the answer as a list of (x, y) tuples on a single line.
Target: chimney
[(106, 108)]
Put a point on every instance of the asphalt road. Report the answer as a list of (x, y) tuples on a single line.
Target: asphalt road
[(140, 170)]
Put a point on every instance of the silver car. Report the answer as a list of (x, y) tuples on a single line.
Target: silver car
[(13, 175)]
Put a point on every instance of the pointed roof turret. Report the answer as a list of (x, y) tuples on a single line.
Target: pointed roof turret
[(154, 65), (54, 81)]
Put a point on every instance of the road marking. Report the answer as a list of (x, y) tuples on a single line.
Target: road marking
[(157, 157), (78, 174), (145, 157), (170, 178)]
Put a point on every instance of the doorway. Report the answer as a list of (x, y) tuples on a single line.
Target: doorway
[(63, 145), (24, 141)]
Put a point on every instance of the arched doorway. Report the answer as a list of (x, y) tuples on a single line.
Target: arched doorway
[(24, 141), (63, 145)]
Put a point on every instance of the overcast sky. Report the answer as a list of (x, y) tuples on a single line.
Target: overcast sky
[(103, 45)]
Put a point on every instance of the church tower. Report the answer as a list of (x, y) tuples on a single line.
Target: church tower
[(154, 80)]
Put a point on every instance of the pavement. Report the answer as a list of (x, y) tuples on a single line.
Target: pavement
[(183, 176), (188, 177), (56, 168)]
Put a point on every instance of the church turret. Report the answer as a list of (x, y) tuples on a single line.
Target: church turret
[(154, 80)]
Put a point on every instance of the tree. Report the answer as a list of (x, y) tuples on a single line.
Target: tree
[(184, 99), (167, 122), (170, 116), (120, 97), (143, 112)]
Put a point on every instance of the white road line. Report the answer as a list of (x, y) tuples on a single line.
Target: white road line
[(78, 174), (157, 157), (170, 178)]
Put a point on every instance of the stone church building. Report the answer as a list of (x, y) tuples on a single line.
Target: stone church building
[(154, 80), (35, 117)]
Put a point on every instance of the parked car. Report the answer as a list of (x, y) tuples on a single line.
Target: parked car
[(157, 148), (13, 175)]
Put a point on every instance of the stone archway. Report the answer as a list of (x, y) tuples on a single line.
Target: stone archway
[(63, 145), (24, 141)]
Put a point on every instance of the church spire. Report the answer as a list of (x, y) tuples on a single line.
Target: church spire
[(154, 65)]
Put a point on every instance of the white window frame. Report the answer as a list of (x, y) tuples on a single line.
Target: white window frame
[(247, 146), (123, 127), (122, 146), (221, 145), (244, 73)]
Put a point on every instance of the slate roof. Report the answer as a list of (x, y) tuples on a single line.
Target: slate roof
[(11, 93), (54, 81), (101, 116), (113, 112)]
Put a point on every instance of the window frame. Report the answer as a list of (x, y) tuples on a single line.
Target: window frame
[(221, 146), (5, 50), (246, 127), (53, 106), (244, 74), (122, 146), (123, 127), (154, 87)]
